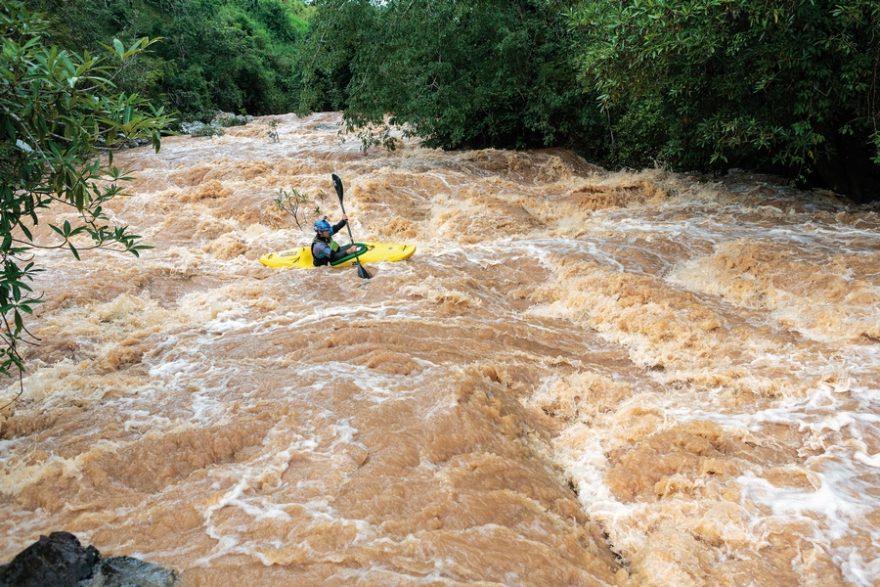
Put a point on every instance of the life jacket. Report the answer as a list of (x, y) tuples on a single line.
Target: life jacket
[(334, 246)]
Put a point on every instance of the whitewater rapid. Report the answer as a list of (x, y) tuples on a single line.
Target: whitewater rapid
[(580, 378)]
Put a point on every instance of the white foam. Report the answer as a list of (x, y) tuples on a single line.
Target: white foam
[(841, 501)]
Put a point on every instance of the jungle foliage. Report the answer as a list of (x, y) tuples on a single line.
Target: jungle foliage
[(231, 55), (492, 73), (61, 111), (788, 86)]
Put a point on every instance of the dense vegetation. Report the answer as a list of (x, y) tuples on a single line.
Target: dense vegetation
[(233, 55), (60, 111), (491, 73), (788, 86)]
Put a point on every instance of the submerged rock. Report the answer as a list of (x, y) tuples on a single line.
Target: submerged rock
[(61, 561), (125, 571)]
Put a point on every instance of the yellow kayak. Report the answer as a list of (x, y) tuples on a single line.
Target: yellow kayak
[(371, 253)]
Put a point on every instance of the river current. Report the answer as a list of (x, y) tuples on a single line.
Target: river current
[(581, 377)]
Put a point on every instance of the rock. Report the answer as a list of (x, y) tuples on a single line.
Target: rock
[(125, 571), (59, 560)]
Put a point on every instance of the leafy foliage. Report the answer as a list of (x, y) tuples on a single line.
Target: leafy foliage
[(338, 31), (703, 84), (491, 73), (788, 86), (61, 111), (784, 85), (231, 55)]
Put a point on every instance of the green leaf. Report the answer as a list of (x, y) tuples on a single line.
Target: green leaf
[(66, 110)]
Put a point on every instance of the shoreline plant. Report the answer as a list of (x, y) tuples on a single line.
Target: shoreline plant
[(62, 117)]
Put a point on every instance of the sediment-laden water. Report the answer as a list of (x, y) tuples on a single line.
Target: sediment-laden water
[(580, 378)]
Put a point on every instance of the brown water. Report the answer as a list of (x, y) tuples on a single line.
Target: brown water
[(581, 377)]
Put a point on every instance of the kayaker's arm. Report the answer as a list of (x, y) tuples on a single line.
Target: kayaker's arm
[(340, 225)]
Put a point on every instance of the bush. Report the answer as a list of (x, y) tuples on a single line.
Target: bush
[(457, 74), (707, 84)]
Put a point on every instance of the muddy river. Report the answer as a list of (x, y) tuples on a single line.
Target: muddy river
[(581, 377)]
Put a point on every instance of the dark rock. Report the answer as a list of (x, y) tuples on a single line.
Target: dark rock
[(125, 571), (58, 560)]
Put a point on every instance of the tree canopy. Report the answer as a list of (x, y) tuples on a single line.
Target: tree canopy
[(231, 55), (493, 73), (784, 86), (787, 85)]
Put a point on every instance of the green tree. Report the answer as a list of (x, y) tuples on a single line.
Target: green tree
[(708, 84), (325, 55), (493, 73), (61, 117), (232, 55)]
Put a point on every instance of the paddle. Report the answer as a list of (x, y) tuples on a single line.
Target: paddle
[(337, 183)]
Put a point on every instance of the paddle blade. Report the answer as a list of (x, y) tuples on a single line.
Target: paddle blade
[(337, 183), (363, 273)]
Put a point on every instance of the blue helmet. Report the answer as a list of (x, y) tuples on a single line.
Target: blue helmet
[(322, 225)]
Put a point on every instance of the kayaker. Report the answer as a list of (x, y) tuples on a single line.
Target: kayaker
[(325, 250)]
